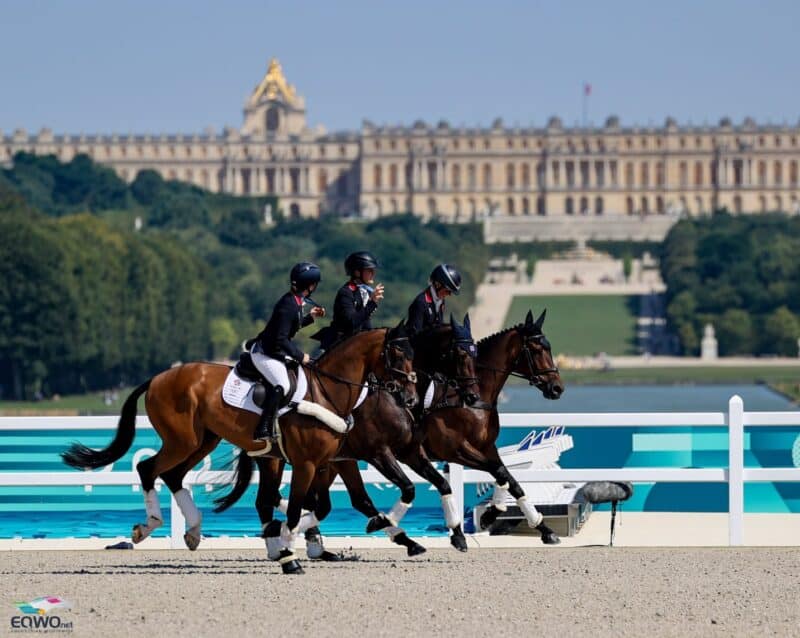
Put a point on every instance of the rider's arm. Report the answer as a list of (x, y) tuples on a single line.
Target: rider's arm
[(286, 315), (345, 311), (416, 315)]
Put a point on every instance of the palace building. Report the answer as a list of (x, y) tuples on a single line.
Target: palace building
[(619, 175)]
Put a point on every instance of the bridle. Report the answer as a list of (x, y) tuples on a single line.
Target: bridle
[(392, 385), (534, 374), (460, 384)]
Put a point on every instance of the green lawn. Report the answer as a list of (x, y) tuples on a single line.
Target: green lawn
[(583, 324), (76, 404)]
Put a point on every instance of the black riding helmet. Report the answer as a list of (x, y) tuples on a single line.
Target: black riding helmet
[(448, 276), (304, 275), (359, 261)]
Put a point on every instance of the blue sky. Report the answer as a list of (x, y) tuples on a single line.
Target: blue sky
[(100, 66)]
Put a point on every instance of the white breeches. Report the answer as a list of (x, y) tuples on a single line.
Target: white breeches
[(274, 370)]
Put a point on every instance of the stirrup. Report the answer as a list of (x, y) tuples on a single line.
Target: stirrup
[(265, 450)]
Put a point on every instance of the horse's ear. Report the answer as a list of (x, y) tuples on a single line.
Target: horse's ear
[(540, 320), (466, 323), (529, 318)]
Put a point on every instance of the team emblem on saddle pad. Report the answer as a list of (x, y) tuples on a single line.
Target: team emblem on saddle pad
[(238, 393)]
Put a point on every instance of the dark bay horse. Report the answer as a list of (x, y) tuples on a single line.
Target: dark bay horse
[(384, 435), (468, 436), (185, 406)]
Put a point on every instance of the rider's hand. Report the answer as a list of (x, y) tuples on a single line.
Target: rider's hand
[(317, 311), (306, 358), (377, 294)]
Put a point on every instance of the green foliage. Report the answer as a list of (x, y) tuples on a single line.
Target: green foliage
[(740, 273), (147, 187)]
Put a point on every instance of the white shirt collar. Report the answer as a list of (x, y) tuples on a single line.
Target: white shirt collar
[(437, 301)]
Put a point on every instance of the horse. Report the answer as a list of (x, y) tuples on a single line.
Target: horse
[(186, 408), (468, 436), (384, 432)]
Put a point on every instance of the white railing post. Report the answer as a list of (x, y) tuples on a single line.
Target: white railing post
[(456, 479), (177, 523), (735, 470)]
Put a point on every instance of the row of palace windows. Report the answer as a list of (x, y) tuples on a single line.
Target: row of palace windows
[(582, 172), (583, 206), (585, 145)]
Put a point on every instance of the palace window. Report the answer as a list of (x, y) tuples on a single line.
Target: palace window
[(660, 205), (510, 206), (683, 174), (644, 142), (377, 176), (526, 176), (777, 142), (188, 151), (341, 184), (600, 174), (486, 143), (659, 173), (377, 145), (682, 142), (456, 176), (568, 206), (342, 151), (570, 171), (540, 207), (510, 176), (738, 172), (698, 142), (294, 178), (585, 174), (645, 175), (645, 207), (584, 209), (698, 173), (556, 173), (393, 146), (393, 176), (487, 177), (629, 174), (793, 172), (629, 142), (629, 205), (321, 151), (737, 204), (455, 145), (778, 172), (526, 207), (433, 176), (540, 176), (613, 168), (598, 205), (471, 180), (510, 143), (762, 173)]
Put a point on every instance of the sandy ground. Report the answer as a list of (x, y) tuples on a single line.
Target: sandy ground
[(596, 591)]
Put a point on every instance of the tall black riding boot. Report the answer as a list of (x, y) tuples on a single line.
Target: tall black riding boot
[(265, 430)]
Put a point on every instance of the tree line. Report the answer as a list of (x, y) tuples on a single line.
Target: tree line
[(741, 274), (89, 302)]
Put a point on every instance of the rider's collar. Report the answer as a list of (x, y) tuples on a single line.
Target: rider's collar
[(434, 297), (298, 300)]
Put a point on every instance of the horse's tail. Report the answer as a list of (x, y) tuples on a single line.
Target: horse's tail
[(242, 475), (82, 457)]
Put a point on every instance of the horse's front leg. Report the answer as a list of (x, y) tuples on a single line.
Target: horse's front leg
[(302, 478), (386, 463), (268, 498), (418, 461)]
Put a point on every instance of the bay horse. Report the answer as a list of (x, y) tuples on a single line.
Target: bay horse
[(384, 435), (468, 436), (186, 408)]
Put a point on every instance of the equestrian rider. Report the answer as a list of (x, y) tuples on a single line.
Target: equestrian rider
[(273, 347), (427, 309), (355, 301)]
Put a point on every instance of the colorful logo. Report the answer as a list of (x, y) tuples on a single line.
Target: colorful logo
[(43, 605)]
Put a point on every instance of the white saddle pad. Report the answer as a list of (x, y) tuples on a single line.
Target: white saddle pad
[(429, 395), (238, 392)]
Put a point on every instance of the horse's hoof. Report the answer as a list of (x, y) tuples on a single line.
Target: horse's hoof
[(415, 549), (549, 537), (459, 542), (328, 557), (139, 533), (489, 516), (289, 563), (192, 541), (377, 523)]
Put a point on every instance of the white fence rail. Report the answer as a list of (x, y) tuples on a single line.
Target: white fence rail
[(735, 475)]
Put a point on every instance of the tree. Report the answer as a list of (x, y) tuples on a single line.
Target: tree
[(734, 330), (781, 331), (627, 266), (147, 187)]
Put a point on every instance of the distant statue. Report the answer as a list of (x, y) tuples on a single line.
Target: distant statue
[(708, 347), (137, 223), (268, 214)]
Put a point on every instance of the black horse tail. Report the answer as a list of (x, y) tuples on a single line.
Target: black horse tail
[(85, 458), (242, 475)]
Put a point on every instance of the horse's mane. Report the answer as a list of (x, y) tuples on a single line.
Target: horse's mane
[(337, 344), (500, 333)]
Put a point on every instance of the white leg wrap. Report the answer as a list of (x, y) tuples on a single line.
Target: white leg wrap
[(397, 512), (499, 497), (287, 538), (307, 521), (274, 547), (315, 548), (531, 513), (153, 509), (190, 512), (392, 531), (451, 514), (283, 505)]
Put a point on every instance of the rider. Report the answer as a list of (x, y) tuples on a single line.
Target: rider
[(427, 309), (273, 347), (356, 300)]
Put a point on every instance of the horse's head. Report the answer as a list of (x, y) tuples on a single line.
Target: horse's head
[(450, 351), (398, 363), (535, 360)]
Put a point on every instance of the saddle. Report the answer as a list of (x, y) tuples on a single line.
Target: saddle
[(246, 369)]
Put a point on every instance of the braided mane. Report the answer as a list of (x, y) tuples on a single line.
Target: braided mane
[(500, 333)]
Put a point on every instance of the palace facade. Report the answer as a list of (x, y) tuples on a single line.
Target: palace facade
[(458, 173)]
